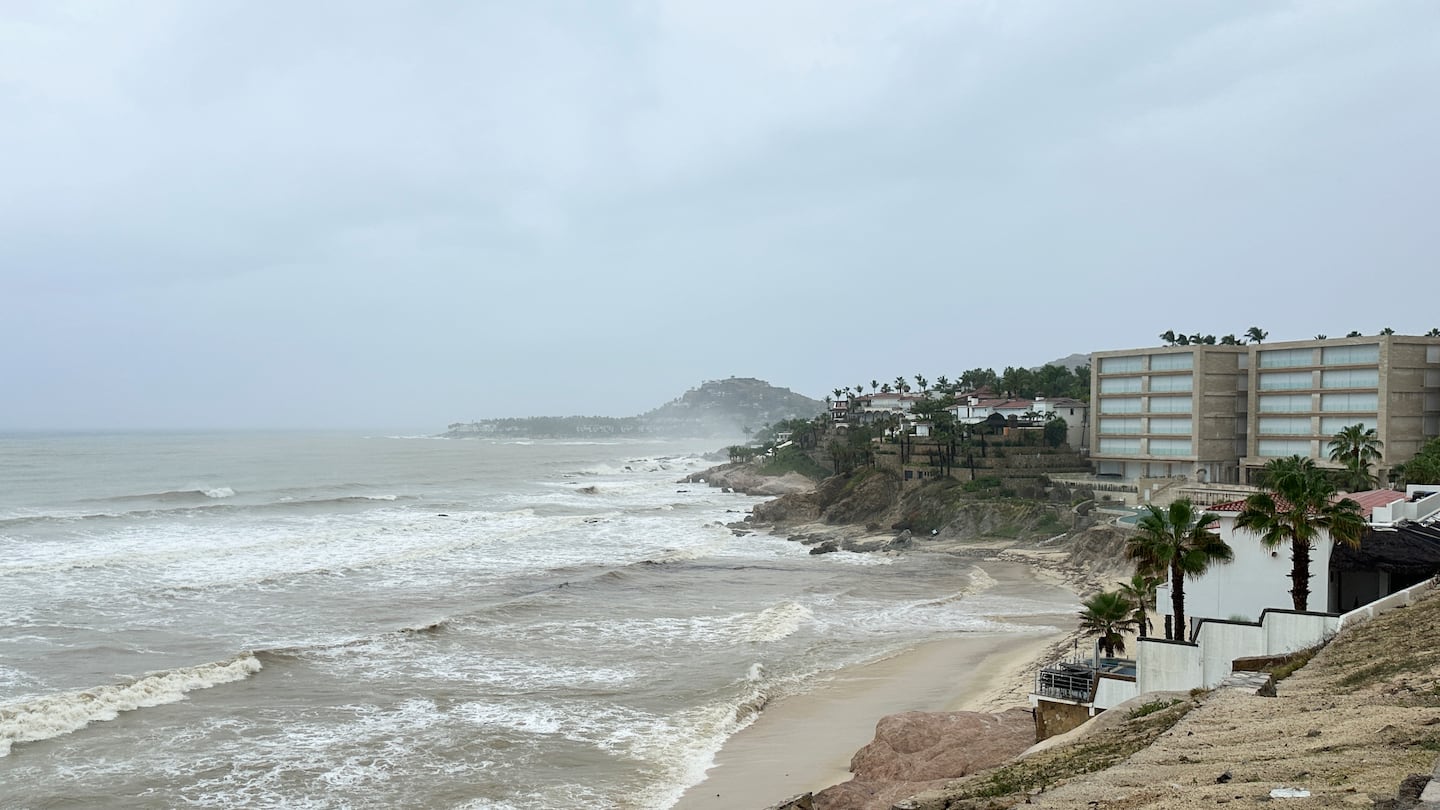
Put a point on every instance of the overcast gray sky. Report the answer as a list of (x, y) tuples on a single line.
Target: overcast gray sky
[(367, 214)]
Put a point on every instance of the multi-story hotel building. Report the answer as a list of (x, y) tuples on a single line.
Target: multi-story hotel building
[(1218, 413)]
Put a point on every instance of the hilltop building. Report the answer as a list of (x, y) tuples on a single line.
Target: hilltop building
[(1216, 414)]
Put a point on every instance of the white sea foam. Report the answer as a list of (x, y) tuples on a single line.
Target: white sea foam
[(776, 623), (218, 492), (49, 716)]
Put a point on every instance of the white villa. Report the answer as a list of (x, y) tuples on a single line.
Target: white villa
[(1243, 609)]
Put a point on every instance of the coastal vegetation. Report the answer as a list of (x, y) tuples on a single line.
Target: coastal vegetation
[(1109, 615), (1176, 541), (1356, 448), (1296, 504), (1424, 468)]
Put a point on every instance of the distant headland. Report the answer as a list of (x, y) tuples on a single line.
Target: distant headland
[(717, 408)]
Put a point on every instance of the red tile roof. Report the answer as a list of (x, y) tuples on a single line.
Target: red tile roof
[(1368, 500)]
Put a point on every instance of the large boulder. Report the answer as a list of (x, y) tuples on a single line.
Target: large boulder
[(916, 751)]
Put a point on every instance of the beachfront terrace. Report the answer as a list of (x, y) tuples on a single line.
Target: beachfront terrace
[(1078, 680)]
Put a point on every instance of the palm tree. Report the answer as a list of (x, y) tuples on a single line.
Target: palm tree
[(1229, 340), (922, 383), (837, 392), (1356, 447), (874, 386), (1168, 336), (1140, 590), (1321, 337), (1353, 333), (885, 388), (1108, 615), (1177, 541), (1256, 335), (1387, 331), (1435, 332), (900, 384), (1295, 506)]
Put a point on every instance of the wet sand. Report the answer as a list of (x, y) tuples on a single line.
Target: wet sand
[(805, 742)]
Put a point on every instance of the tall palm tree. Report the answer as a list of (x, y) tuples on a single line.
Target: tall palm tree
[(1295, 506), (1256, 335), (1356, 447), (1177, 541), (1140, 590), (1108, 615)]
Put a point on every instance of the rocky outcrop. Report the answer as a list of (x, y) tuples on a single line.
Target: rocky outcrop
[(916, 751), (744, 477)]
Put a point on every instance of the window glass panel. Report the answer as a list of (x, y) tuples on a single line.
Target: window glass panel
[(1279, 448), (1120, 405), (1284, 426), (1279, 381), (1432, 354), (1172, 362), (1113, 365), (1183, 382), (1331, 425), (1351, 378), (1359, 403), (1173, 427), (1285, 403), (1119, 385), (1170, 405), (1121, 426), (1343, 355), (1432, 378), (1170, 447), (1120, 446), (1287, 358)]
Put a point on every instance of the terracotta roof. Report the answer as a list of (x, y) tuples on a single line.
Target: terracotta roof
[(1368, 500)]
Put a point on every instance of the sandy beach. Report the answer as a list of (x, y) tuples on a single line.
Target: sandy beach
[(805, 742)]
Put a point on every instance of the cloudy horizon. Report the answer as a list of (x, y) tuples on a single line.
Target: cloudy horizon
[(368, 214)]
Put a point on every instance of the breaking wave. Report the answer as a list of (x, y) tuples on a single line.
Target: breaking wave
[(48, 716)]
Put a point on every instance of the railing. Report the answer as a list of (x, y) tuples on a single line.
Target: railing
[(1066, 682)]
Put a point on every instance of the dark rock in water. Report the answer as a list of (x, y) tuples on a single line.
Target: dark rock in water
[(827, 547), (590, 490)]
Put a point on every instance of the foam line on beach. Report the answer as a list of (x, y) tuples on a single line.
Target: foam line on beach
[(47, 716)]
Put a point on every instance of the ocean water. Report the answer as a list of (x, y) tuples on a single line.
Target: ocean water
[(333, 621)]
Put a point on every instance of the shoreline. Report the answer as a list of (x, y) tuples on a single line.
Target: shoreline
[(804, 742)]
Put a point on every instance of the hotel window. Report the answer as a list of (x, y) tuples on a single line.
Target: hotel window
[(1183, 382), (1352, 378), (1170, 405), (1432, 378), (1284, 426), (1171, 427), (1119, 365), (1432, 354), (1170, 447), (1287, 358), (1120, 446), (1331, 425), (1351, 355), (1120, 405), (1285, 379), (1279, 448), (1120, 426), (1119, 385), (1285, 403), (1172, 362), (1356, 403)]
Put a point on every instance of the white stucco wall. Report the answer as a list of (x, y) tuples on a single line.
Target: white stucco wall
[(1166, 665), (1113, 691), (1256, 579)]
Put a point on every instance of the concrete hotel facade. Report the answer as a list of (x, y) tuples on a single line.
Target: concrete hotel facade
[(1218, 413)]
